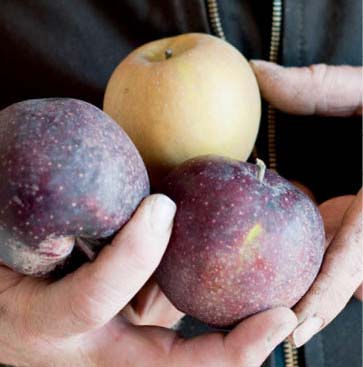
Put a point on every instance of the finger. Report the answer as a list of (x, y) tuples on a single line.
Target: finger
[(359, 293), (151, 307), (332, 212), (338, 279), (96, 292), (248, 344), (316, 89)]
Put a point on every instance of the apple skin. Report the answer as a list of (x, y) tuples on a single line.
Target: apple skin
[(204, 99), (67, 170), (239, 246)]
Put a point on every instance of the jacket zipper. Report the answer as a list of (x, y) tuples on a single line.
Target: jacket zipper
[(273, 56), (290, 352), (291, 357), (215, 19)]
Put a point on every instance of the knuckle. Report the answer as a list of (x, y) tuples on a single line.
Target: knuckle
[(275, 75), (85, 304), (318, 72), (138, 253), (27, 329), (27, 316), (322, 284), (327, 297), (84, 312), (319, 77), (330, 287)]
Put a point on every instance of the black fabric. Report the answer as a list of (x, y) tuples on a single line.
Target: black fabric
[(190, 327), (340, 343), (323, 153), (70, 48), (324, 31), (247, 25)]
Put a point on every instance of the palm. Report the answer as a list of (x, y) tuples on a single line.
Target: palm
[(97, 315), (149, 307), (119, 342)]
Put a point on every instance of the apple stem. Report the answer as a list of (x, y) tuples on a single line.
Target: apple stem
[(168, 53), (86, 248), (261, 169)]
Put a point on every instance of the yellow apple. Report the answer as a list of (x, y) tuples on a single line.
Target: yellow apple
[(185, 96)]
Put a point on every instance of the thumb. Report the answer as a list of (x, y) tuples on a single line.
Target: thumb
[(316, 89), (96, 292)]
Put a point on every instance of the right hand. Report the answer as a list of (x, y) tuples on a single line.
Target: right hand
[(76, 321)]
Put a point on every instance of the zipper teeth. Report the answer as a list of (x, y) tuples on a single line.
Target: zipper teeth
[(290, 352), (215, 18), (275, 30), (291, 356), (273, 56)]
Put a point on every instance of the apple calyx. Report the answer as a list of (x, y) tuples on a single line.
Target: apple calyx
[(168, 53), (261, 169)]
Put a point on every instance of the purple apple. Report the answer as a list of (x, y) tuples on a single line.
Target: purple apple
[(67, 171), (243, 241)]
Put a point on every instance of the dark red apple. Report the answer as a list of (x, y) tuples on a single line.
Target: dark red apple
[(243, 241), (67, 171)]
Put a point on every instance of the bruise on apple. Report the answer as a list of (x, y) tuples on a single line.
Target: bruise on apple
[(67, 170), (41, 260), (239, 246)]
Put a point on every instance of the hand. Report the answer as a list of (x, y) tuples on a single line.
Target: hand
[(329, 91), (341, 272), (316, 89), (76, 321), (151, 307), (333, 212)]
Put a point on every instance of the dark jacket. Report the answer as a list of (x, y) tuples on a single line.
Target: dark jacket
[(69, 48)]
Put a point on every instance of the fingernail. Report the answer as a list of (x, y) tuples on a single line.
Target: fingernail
[(307, 330), (281, 333), (162, 213), (284, 329), (258, 63)]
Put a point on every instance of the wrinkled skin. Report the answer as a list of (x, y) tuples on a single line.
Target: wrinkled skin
[(327, 91), (86, 319)]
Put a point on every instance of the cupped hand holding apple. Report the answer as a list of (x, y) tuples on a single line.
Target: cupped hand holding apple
[(185, 101), (244, 240), (330, 91), (76, 321)]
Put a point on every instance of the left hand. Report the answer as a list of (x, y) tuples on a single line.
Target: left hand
[(329, 91)]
